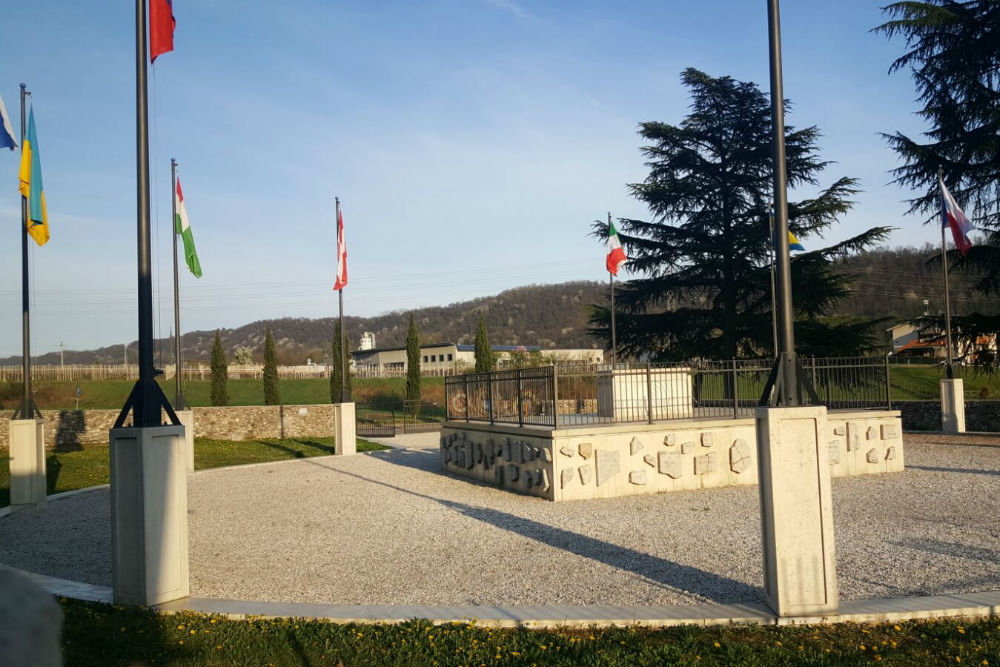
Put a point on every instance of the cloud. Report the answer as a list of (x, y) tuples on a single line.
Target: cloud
[(509, 6)]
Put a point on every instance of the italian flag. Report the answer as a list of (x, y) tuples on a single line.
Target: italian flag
[(183, 227), (616, 256)]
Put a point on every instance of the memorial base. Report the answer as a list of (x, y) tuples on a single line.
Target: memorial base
[(796, 508), (953, 406), (346, 436), (27, 462), (187, 420), (149, 529)]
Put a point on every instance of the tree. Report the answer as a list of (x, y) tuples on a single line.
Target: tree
[(413, 368), (335, 366), (954, 57), (704, 257), (484, 355), (220, 373), (243, 355), (272, 395)]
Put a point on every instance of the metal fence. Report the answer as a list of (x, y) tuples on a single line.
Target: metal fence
[(555, 397)]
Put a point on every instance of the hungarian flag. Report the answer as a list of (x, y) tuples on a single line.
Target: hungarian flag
[(952, 217), (183, 227), (161, 27), (616, 256), (341, 282)]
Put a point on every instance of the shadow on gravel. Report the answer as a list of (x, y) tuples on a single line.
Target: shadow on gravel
[(669, 574), (950, 549), (967, 471)]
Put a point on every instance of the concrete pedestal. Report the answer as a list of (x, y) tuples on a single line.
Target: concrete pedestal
[(346, 436), (187, 420), (27, 462), (953, 406), (149, 525), (800, 570)]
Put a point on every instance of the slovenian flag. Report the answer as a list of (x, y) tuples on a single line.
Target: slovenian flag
[(161, 27), (953, 217), (616, 256), (6, 132), (341, 281), (183, 227)]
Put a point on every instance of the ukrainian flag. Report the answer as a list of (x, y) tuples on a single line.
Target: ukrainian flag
[(31, 185), (793, 243)]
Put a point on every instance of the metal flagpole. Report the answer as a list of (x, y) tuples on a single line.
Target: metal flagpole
[(27, 408), (774, 301), (344, 397), (947, 296), (614, 339), (146, 399), (178, 392)]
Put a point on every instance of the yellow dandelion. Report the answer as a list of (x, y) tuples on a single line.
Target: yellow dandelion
[(961, 630), (192, 632), (212, 621), (897, 628), (862, 647), (180, 627), (181, 641), (718, 645)]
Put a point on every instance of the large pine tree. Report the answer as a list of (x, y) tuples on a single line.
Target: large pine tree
[(704, 256), (954, 56), (483, 352), (272, 395), (220, 373), (413, 368)]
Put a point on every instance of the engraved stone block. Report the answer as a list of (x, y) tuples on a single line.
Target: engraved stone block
[(705, 464), (498, 474), (687, 447), (669, 439), (872, 433), (513, 472), (584, 474), (528, 479), (469, 458), (637, 477), (706, 439), (834, 452), (543, 479), (650, 460), (607, 465), (890, 431), (479, 452), (635, 446), (739, 456), (565, 477), (586, 450), (890, 454), (872, 455), (567, 451), (506, 450), (854, 432), (547, 454), (670, 464), (840, 430)]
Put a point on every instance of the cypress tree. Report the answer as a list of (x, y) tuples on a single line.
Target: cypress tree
[(335, 365), (413, 368), (484, 355), (272, 396), (220, 373)]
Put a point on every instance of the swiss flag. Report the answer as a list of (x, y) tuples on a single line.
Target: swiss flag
[(161, 27)]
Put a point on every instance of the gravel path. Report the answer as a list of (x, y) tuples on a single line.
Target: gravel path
[(388, 528)]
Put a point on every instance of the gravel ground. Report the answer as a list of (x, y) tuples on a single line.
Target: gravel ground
[(388, 528)]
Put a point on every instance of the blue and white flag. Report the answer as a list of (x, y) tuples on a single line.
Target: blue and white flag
[(6, 132)]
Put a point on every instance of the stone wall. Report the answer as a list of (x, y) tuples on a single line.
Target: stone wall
[(72, 429), (607, 461), (926, 415)]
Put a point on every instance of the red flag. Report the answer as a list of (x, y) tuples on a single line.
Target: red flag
[(161, 27), (341, 254)]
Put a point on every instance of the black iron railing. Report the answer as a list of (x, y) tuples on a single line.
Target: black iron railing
[(576, 395)]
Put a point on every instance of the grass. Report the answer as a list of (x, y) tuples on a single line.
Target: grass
[(89, 466), (97, 634)]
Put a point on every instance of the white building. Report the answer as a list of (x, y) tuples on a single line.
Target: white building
[(451, 358)]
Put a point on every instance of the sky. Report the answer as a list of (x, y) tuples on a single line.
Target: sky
[(472, 143)]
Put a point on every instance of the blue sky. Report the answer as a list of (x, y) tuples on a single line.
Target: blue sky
[(471, 142)]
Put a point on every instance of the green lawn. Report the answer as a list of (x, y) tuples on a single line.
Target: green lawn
[(90, 466), (97, 634)]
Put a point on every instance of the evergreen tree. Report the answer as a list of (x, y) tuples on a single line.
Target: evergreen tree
[(705, 254), (954, 56), (272, 395), (335, 365), (484, 355), (413, 368), (220, 373)]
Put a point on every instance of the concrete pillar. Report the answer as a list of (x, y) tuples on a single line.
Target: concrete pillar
[(27, 461), (30, 623), (187, 419), (796, 510), (149, 528), (953, 406), (346, 437)]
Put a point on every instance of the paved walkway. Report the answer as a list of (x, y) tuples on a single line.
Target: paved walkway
[(388, 528)]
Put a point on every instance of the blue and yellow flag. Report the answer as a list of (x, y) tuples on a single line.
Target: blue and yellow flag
[(793, 243), (31, 185)]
